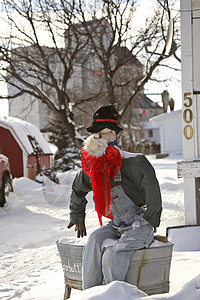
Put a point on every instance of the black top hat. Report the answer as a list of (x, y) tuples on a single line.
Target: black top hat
[(105, 117)]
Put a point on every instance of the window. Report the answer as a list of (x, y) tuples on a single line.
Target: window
[(150, 131)]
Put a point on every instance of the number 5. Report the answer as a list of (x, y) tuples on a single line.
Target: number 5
[(189, 99)]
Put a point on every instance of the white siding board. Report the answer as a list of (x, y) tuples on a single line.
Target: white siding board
[(170, 131)]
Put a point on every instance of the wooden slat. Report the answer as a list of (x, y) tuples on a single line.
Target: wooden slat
[(190, 169)]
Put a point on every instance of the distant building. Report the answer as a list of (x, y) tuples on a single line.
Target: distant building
[(170, 129), (87, 80), (143, 109), (139, 135), (151, 133), (28, 107)]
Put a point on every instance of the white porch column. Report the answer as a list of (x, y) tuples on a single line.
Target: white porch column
[(190, 64)]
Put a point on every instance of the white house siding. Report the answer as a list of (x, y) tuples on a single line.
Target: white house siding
[(170, 131), (155, 136)]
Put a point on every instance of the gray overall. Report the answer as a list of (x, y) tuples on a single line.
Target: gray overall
[(109, 248)]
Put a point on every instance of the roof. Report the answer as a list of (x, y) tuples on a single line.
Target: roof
[(165, 115), (143, 101), (26, 134), (149, 125), (122, 52), (92, 22)]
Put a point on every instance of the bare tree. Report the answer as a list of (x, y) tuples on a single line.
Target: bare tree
[(126, 45), (34, 68), (101, 32)]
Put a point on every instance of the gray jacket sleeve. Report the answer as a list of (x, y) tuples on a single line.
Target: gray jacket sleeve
[(80, 188), (143, 174), (150, 187)]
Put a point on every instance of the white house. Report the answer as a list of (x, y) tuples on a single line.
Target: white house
[(86, 81), (151, 133), (170, 125)]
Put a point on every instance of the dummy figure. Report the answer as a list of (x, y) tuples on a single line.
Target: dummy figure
[(125, 190)]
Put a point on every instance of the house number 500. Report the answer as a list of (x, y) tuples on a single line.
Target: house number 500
[(187, 116)]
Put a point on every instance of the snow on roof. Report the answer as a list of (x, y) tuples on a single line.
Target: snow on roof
[(149, 125), (24, 132), (165, 115)]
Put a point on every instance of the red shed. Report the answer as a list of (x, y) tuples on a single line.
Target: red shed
[(22, 142)]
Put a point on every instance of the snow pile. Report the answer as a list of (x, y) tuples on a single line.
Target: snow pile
[(48, 191), (190, 241), (123, 291), (114, 290)]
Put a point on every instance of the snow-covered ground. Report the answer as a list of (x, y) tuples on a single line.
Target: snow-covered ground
[(36, 216)]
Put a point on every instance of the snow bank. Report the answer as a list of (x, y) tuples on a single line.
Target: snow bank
[(190, 242), (48, 191), (114, 290), (124, 291)]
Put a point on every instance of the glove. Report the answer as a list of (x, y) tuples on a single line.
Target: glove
[(80, 228)]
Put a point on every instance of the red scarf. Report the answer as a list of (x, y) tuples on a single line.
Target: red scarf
[(100, 169)]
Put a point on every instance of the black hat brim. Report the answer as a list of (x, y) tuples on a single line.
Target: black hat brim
[(98, 126)]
